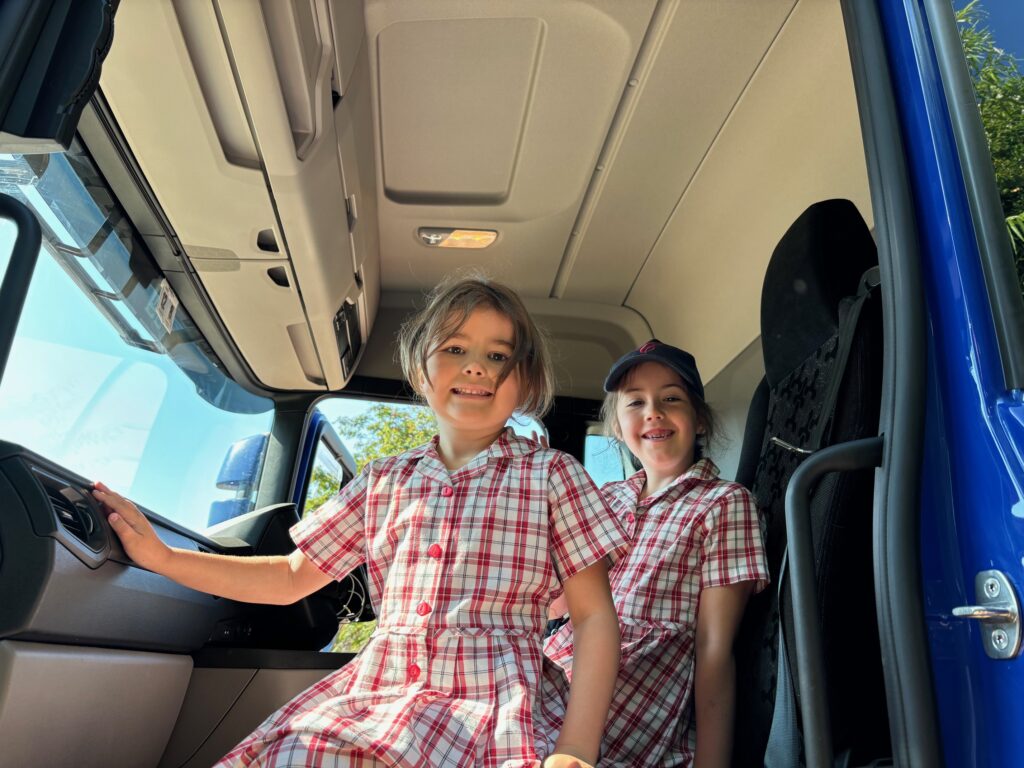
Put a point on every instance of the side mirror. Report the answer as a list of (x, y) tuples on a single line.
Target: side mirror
[(240, 473)]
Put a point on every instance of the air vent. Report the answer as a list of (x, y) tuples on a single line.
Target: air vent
[(70, 516), (71, 507)]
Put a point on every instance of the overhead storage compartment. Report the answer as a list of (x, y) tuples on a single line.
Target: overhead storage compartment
[(229, 108)]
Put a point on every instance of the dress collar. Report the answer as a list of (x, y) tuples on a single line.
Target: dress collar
[(631, 487), (508, 445)]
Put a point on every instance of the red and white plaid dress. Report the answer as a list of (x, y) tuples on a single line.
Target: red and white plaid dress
[(462, 566), (699, 532)]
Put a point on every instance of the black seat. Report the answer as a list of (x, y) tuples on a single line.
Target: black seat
[(810, 398)]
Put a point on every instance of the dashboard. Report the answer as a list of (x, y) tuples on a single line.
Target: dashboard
[(65, 578)]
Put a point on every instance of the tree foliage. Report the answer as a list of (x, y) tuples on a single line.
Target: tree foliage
[(999, 91), (322, 485), (386, 429)]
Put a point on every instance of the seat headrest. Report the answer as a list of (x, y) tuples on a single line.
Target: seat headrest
[(817, 263)]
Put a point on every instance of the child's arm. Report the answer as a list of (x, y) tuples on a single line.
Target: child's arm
[(718, 618), (596, 659), (276, 580)]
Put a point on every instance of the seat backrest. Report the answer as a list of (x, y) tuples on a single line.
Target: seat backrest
[(815, 269)]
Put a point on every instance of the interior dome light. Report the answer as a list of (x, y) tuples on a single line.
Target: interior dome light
[(441, 237)]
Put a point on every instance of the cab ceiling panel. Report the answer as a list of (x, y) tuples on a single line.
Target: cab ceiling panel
[(229, 109), (586, 339), (697, 68), (492, 116), (792, 139), (451, 132)]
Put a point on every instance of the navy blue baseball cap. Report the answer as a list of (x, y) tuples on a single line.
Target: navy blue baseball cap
[(655, 351)]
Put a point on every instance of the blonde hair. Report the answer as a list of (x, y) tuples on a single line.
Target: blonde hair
[(448, 307)]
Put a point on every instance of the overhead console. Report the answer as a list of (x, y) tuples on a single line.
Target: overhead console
[(250, 123)]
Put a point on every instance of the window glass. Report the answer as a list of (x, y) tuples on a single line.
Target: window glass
[(371, 429), (527, 426), (326, 478), (332, 466), (992, 33), (108, 376), (605, 459)]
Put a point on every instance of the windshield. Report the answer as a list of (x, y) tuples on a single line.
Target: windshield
[(108, 375)]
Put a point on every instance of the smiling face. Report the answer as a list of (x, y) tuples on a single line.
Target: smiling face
[(656, 420), (461, 384)]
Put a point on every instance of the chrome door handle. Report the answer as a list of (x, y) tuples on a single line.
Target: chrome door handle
[(999, 614)]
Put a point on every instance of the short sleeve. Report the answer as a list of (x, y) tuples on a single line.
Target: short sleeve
[(333, 537), (732, 550), (583, 530)]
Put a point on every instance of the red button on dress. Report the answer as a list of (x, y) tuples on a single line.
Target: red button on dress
[(423, 609), (414, 672), (631, 517), (447, 491), (434, 550)]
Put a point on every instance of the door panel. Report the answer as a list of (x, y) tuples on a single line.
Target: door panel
[(972, 483)]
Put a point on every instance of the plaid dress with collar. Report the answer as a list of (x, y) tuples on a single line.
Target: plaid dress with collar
[(461, 568), (698, 532)]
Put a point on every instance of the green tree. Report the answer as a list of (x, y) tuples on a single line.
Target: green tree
[(385, 429), (999, 91), (322, 485)]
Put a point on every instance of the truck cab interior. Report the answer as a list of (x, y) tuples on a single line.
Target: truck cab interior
[(272, 188)]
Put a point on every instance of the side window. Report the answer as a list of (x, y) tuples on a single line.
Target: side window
[(992, 34), (605, 458), (332, 468), (370, 429), (527, 426)]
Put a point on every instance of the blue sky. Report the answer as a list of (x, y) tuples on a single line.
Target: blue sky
[(1006, 21)]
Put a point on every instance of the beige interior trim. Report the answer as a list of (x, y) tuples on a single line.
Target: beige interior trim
[(729, 394), (585, 338), (254, 307), (303, 168), (230, 115), (792, 140), (223, 706), (586, 53), (646, 153), (87, 707), (683, 100)]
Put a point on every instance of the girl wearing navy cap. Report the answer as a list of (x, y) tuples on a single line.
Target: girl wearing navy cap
[(696, 557)]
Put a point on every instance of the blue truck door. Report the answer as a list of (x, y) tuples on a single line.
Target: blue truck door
[(972, 483)]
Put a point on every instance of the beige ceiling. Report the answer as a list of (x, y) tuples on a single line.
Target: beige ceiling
[(639, 160)]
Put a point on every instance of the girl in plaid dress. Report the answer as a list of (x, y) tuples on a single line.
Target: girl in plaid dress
[(466, 539), (697, 555)]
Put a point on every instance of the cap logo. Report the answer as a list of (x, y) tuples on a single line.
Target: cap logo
[(647, 347)]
